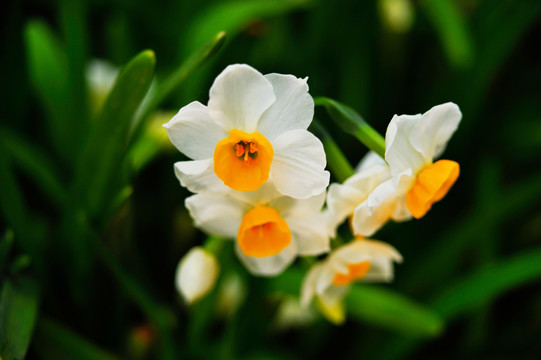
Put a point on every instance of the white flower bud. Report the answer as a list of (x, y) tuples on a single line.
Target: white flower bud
[(196, 274)]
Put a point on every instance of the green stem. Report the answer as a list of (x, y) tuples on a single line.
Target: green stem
[(350, 121), (338, 163), (214, 245)]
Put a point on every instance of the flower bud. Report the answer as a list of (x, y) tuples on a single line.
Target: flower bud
[(196, 274)]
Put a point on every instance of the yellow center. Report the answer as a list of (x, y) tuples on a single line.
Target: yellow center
[(355, 272), (263, 232), (431, 185), (242, 161)]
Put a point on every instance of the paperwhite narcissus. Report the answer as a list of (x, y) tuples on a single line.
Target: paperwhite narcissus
[(407, 183), (270, 229), (253, 129), (196, 274), (360, 260)]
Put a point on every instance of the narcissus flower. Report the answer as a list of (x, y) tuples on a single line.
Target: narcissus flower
[(412, 142), (270, 229), (360, 260), (196, 274), (253, 130)]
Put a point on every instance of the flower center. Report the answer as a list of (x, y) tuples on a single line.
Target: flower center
[(242, 161), (355, 272), (263, 232), (432, 184)]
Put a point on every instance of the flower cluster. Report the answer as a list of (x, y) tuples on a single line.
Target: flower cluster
[(259, 179)]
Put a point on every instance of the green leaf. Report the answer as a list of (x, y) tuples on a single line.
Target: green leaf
[(351, 122), (385, 308), (488, 283), (55, 341), (28, 230), (452, 30), (5, 248), (233, 16), (35, 162), (108, 141), (18, 312), (173, 81), (48, 69)]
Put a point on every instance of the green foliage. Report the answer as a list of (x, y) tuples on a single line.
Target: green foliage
[(55, 341), (350, 121), (487, 283), (232, 16), (385, 308), (452, 30), (48, 70), (109, 139), (18, 313)]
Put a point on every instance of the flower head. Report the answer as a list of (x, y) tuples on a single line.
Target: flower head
[(270, 229), (253, 130), (412, 142), (408, 182), (361, 260), (196, 274)]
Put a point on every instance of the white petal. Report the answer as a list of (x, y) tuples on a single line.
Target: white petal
[(199, 176), (196, 274), (298, 167), (325, 279), (343, 199), (308, 287), (400, 154), (373, 213), (288, 206), (351, 253), (215, 214), (264, 195), (334, 294), (194, 132), (381, 270), (270, 265), (435, 129), (310, 233), (369, 160), (239, 96), (293, 108), (401, 212), (383, 203)]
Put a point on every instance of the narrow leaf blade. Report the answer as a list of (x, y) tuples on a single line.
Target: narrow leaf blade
[(18, 312)]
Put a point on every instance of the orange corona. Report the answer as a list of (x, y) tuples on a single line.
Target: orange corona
[(263, 232), (242, 161), (355, 272), (431, 185)]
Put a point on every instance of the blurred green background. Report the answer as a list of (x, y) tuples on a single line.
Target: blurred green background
[(92, 219)]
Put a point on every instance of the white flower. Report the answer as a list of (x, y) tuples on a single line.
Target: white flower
[(270, 229), (253, 129), (196, 274), (343, 199), (360, 260), (412, 142)]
